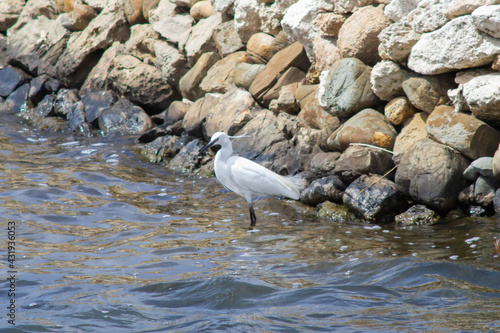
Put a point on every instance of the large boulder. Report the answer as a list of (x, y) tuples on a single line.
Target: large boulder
[(189, 84), (463, 132), (346, 89), (396, 42), (292, 56), (220, 76), (425, 93), (375, 199), (233, 110), (487, 19), (482, 95), (30, 43), (85, 48), (124, 118), (172, 27), (369, 127), (357, 160), (456, 45), (358, 35), (387, 79), (140, 83), (413, 130), (9, 13), (199, 39), (431, 173)]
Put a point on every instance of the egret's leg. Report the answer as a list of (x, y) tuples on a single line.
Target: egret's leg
[(253, 218)]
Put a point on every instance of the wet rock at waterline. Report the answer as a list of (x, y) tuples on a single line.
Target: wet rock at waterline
[(417, 215), (374, 198), (329, 188), (124, 118)]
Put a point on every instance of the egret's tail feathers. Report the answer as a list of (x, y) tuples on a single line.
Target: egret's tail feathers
[(296, 183)]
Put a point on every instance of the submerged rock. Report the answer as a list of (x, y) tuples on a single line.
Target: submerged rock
[(417, 215), (335, 212)]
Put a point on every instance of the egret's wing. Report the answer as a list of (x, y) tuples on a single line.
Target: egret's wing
[(259, 181)]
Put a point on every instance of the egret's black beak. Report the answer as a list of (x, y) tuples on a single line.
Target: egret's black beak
[(210, 144)]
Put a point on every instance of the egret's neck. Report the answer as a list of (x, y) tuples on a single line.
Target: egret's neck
[(225, 151)]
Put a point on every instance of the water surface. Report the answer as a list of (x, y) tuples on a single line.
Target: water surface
[(106, 242)]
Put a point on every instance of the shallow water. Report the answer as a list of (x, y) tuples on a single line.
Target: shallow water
[(106, 242)]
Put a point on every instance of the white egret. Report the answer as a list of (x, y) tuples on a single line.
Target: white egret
[(249, 179)]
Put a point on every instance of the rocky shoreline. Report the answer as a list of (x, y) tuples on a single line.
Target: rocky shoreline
[(389, 108)]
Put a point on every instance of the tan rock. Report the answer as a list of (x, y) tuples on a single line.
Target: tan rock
[(496, 163), (261, 47), (329, 23), (244, 74), (466, 7), (201, 10), (292, 56), (81, 15), (399, 110), (226, 39), (148, 5), (465, 133), (358, 35), (189, 84), (220, 76), (291, 75), (64, 6), (425, 93), (368, 126), (133, 11), (413, 130)]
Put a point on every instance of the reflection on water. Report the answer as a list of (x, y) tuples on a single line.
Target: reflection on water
[(109, 243)]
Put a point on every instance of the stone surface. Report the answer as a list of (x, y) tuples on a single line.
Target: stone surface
[(227, 39), (172, 27), (465, 7), (358, 35), (324, 162), (487, 19), (413, 130), (17, 100), (291, 75), (483, 166), (329, 188), (32, 10), (428, 17), (482, 95), (358, 160), (298, 24), (98, 76), (124, 118), (345, 88), (399, 110), (94, 102), (81, 16), (386, 79), (329, 23), (463, 45), (233, 110), (9, 13), (197, 114), (199, 39), (65, 100), (425, 93), (291, 56), (397, 9), (202, 9), (10, 79), (220, 76), (417, 215), (463, 132), (140, 83), (246, 18), (31, 42), (336, 213), (374, 199), (261, 47), (176, 111), (368, 127), (189, 84), (396, 42), (496, 163), (170, 62), (244, 74), (84, 49), (431, 173)]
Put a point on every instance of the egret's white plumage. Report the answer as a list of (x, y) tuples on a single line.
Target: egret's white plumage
[(249, 179)]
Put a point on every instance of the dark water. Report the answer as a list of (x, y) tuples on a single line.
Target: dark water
[(106, 242)]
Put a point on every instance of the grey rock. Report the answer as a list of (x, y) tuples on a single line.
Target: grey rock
[(329, 188), (10, 79), (481, 167), (431, 173), (345, 88), (124, 118), (374, 199), (417, 215)]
